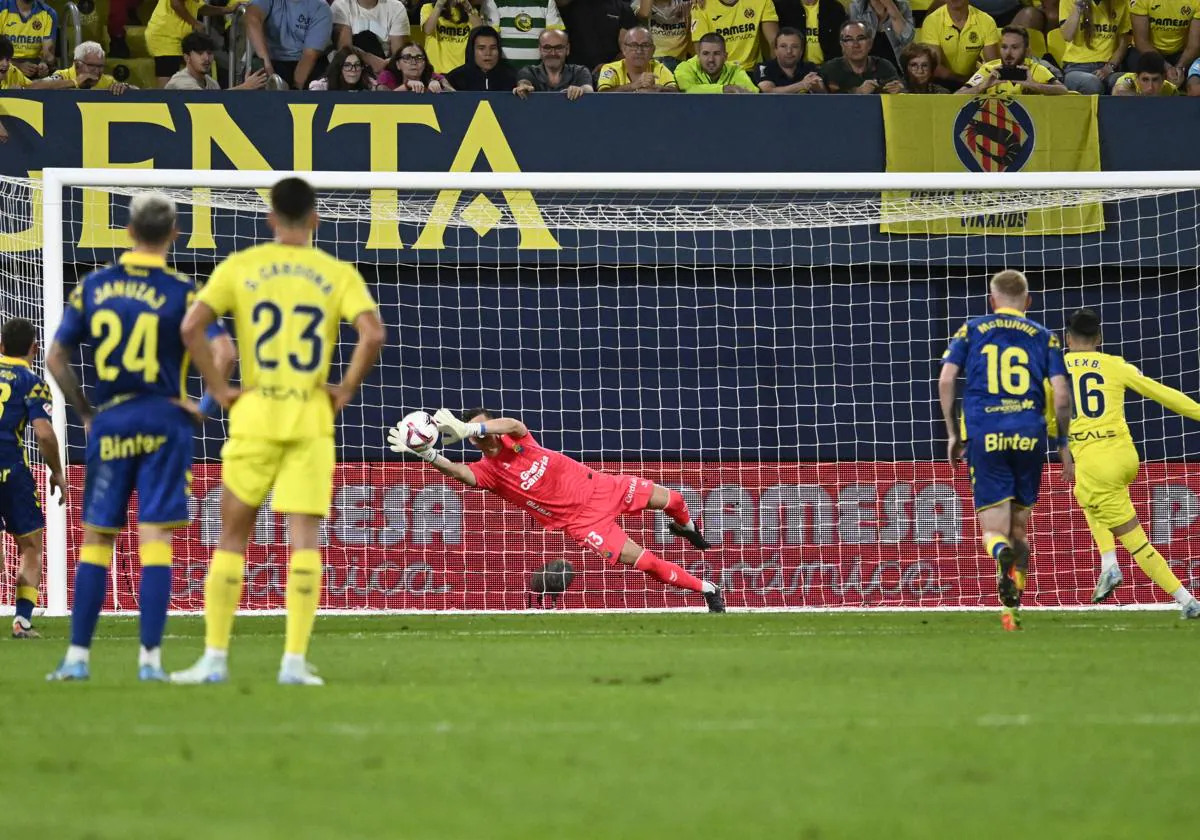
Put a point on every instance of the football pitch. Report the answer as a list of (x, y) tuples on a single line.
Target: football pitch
[(810, 726)]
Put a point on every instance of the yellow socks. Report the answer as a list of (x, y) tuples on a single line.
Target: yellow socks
[(303, 596), (154, 554), (96, 555), (995, 544), (1152, 563), (222, 592)]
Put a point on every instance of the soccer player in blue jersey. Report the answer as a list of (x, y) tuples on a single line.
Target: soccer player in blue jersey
[(24, 401), (140, 432), (1007, 359)]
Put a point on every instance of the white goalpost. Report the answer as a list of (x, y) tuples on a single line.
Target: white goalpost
[(765, 342)]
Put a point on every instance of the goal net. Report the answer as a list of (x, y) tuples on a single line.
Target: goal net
[(758, 342)]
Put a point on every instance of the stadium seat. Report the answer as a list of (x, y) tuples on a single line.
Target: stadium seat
[(135, 37), (135, 71), (1056, 45), (1037, 43), (94, 22)]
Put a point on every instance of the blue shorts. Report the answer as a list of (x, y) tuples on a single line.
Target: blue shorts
[(143, 445), (1006, 466), (20, 510)]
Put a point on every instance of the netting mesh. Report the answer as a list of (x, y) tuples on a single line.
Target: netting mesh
[(772, 355), (656, 212)]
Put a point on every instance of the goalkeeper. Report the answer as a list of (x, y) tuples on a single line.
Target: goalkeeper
[(564, 495), (1106, 462)]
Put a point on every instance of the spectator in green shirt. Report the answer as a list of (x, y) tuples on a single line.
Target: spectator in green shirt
[(709, 72)]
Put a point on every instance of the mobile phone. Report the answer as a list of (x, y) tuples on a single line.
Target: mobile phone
[(1012, 74)]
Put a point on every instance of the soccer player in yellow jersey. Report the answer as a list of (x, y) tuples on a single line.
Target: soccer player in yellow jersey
[(1106, 462), (749, 28), (287, 300)]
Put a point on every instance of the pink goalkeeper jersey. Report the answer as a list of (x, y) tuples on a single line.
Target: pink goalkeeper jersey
[(551, 486)]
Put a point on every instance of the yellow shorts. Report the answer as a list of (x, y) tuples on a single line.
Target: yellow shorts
[(1102, 479), (165, 43), (301, 471)]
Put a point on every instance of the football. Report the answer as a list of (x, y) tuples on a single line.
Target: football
[(420, 432)]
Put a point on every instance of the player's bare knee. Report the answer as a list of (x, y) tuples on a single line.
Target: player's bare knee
[(629, 554), (304, 531), (30, 548), (154, 533), (94, 537), (237, 522)]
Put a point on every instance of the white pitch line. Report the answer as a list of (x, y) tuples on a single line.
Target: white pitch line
[(618, 727)]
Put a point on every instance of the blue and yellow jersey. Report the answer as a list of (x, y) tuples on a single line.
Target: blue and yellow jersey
[(27, 32), (24, 397), (131, 313), (287, 303), (1098, 385), (1007, 359)]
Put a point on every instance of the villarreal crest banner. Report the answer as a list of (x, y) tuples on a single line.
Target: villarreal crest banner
[(989, 134)]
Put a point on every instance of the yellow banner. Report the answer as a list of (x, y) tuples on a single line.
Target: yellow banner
[(989, 134)]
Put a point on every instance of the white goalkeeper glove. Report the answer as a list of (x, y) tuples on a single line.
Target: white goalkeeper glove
[(453, 430), (396, 443)]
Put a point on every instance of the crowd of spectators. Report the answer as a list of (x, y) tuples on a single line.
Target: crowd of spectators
[(578, 47)]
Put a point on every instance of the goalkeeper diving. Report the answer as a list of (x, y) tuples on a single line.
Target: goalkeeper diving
[(564, 495), (1106, 462)]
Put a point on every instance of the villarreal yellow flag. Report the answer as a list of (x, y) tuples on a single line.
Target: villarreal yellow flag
[(989, 134)]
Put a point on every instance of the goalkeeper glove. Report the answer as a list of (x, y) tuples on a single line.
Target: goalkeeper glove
[(453, 430), (396, 444)]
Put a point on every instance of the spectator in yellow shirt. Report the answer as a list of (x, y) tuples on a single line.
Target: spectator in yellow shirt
[(708, 72), (1170, 28), (1097, 36), (1149, 80), (749, 27), (637, 71), (964, 37), (32, 27), (1014, 72), (87, 72), (669, 22), (447, 25)]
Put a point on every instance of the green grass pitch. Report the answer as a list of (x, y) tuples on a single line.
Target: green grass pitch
[(809, 726)]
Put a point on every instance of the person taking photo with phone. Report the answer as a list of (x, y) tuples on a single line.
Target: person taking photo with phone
[(1014, 72)]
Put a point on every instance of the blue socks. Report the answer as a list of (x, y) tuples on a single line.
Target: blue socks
[(154, 595), (25, 609), (91, 586)]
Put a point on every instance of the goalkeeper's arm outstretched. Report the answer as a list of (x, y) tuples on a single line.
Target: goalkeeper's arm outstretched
[(565, 495)]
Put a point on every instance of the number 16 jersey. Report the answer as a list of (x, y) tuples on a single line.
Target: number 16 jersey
[(1006, 358), (287, 302)]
